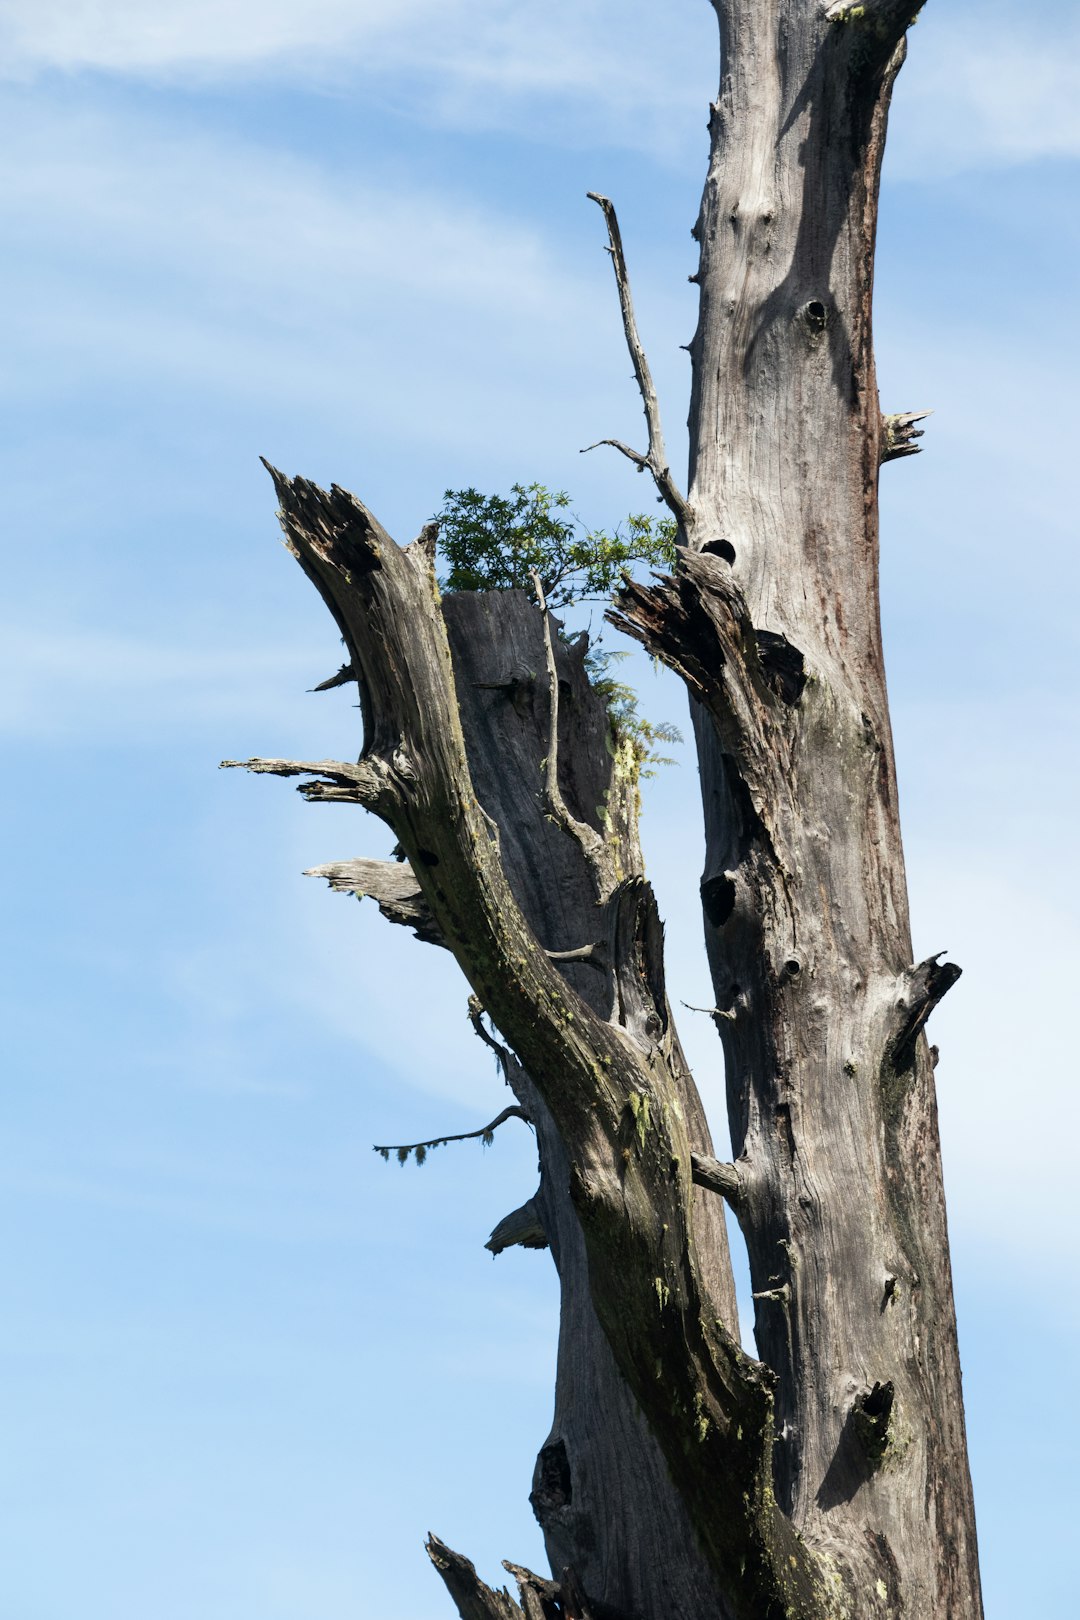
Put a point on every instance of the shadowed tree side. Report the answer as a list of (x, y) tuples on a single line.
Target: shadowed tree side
[(615, 1085), (601, 1490)]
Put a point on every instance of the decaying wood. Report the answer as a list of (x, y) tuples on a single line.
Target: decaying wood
[(342, 678), (390, 884), (614, 1086), (474, 1600), (717, 1177), (522, 1228), (601, 1491), (827, 1480), (777, 637), (601, 856)]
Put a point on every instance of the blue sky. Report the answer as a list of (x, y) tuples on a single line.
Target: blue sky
[(246, 1365)]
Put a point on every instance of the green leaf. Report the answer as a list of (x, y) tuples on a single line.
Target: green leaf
[(495, 542)]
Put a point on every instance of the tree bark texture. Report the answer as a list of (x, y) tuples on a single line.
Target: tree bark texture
[(599, 1461), (682, 1477)]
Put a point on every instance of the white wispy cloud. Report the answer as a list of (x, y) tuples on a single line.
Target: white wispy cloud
[(144, 250), (70, 681), (127, 36), (255, 223), (479, 63), (393, 1004), (987, 86), (983, 87)]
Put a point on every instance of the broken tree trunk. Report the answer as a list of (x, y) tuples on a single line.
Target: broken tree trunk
[(828, 1479), (773, 622), (600, 1489)]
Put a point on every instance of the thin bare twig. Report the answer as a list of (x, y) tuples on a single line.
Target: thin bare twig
[(403, 1149), (656, 457), (899, 432), (640, 462), (713, 1012)]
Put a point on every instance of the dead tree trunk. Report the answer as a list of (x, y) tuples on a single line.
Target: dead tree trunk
[(681, 1477)]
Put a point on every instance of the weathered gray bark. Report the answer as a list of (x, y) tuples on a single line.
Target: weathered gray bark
[(831, 1092), (680, 1476), (601, 1489), (599, 1464)]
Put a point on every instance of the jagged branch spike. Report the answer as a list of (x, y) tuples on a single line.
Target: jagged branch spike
[(564, 1599), (361, 784), (344, 675), (698, 623), (898, 434), (393, 887), (656, 458), (539, 1597), (595, 955), (505, 1058), (474, 1600), (924, 987)]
